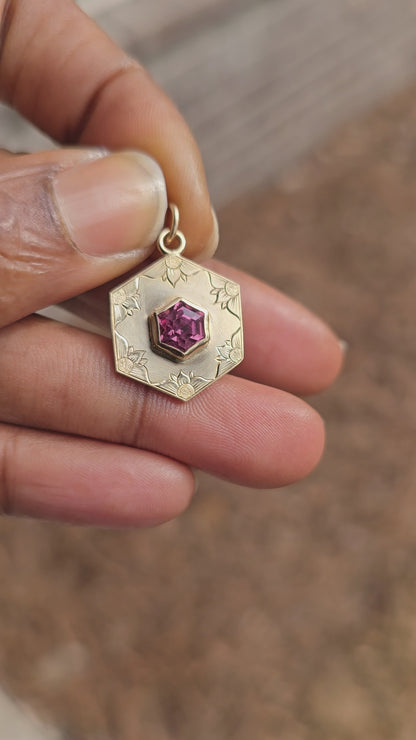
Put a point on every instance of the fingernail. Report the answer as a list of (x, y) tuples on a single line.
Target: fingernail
[(344, 346), (112, 205), (211, 247)]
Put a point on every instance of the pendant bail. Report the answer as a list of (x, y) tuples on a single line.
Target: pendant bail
[(176, 325), (170, 234)]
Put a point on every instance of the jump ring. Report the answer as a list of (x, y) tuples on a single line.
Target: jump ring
[(163, 242)]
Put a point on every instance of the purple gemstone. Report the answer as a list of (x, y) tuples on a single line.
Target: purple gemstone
[(181, 326)]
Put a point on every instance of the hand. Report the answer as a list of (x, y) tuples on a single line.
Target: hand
[(78, 442)]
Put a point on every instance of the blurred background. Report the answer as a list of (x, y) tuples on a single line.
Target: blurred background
[(280, 615)]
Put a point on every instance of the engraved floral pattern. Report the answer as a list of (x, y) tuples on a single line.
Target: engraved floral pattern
[(169, 279), (184, 385), (173, 269), (133, 360), (126, 300), (119, 296), (230, 353), (227, 295)]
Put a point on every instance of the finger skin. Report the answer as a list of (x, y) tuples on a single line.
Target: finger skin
[(59, 477), (39, 263), (286, 346), (64, 74), (60, 378)]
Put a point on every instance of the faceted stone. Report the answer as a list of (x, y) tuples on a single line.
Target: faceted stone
[(181, 326)]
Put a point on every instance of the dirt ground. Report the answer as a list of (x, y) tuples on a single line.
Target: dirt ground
[(286, 615)]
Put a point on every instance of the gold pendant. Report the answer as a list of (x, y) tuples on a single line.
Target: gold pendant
[(176, 325)]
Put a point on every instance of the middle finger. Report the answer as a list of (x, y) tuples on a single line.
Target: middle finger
[(286, 346), (60, 378)]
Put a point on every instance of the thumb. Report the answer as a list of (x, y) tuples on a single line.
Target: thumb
[(71, 220)]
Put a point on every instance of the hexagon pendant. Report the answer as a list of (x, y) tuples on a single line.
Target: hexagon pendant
[(176, 325)]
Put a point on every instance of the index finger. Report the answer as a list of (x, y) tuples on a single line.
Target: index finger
[(64, 74)]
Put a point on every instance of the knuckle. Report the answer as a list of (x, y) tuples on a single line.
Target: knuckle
[(102, 86), (12, 65), (32, 239), (136, 419), (140, 427)]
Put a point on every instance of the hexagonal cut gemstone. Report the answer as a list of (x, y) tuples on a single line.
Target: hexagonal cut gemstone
[(181, 326)]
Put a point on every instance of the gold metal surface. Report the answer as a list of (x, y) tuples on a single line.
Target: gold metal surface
[(173, 210), (137, 299), (138, 351)]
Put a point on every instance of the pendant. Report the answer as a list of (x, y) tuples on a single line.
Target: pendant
[(176, 325)]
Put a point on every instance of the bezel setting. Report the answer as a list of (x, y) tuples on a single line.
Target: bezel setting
[(138, 350), (167, 350)]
